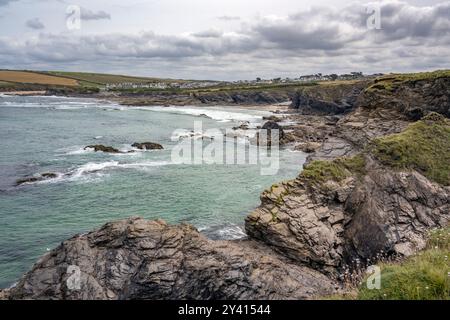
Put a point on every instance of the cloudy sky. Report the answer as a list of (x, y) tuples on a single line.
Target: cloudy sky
[(227, 40)]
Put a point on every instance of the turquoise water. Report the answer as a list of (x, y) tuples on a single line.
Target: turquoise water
[(47, 134)]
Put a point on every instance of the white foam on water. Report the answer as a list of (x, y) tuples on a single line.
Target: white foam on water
[(231, 233), (92, 171), (75, 150), (92, 167), (228, 232), (218, 114)]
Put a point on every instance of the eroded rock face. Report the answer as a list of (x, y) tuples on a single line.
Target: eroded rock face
[(328, 99), (141, 259), (329, 225), (414, 99)]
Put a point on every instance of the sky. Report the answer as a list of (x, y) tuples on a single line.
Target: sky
[(225, 40)]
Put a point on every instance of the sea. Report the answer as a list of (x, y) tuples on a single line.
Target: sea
[(41, 134)]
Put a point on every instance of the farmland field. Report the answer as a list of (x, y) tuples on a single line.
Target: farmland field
[(103, 79), (35, 78)]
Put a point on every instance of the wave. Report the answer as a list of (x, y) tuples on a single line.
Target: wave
[(75, 150), (208, 112), (227, 232), (189, 134), (60, 105), (93, 171), (79, 150), (92, 167)]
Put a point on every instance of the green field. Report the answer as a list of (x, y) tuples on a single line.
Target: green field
[(102, 79)]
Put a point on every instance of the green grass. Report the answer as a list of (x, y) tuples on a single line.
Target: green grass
[(337, 170), (102, 79), (5, 84), (424, 146), (424, 276), (391, 82)]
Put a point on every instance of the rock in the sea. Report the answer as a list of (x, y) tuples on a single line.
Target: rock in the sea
[(41, 177), (272, 125), (141, 259), (102, 148), (245, 125), (147, 146)]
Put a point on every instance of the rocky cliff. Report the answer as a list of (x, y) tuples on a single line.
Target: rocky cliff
[(328, 98), (140, 259), (412, 95), (223, 97), (374, 185)]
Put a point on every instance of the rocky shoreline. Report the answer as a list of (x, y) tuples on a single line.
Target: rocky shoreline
[(360, 195)]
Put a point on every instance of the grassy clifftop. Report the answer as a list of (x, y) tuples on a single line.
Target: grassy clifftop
[(320, 171), (390, 82), (423, 146)]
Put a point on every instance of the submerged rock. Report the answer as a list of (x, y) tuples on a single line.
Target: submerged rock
[(147, 146), (141, 259)]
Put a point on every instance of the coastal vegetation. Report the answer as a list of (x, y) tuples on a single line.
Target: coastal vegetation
[(424, 146), (390, 83), (337, 170), (424, 276)]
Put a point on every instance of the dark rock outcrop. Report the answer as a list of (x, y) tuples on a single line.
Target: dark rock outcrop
[(141, 259), (102, 148), (147, 146), (272, 125), (33, 179), (224, 97), (269, 130), (329, 224), (411, 96), (328, 99)]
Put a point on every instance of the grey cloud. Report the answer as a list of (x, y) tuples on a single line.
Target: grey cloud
[(35, 24), (87, 14), (212, 33), (319, 39), (6, 2), (229, 18)]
